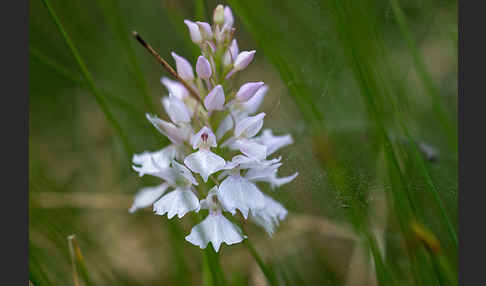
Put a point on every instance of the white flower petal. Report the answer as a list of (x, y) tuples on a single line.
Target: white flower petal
[(147, 196), (277, 182), (228, 16), (270, 216), (184, 173), (251, 148), (203, 68), (178, 202), (249, 126), (247, 90), (204, 162), (184, 68), (175, 88), (206, 30), (236, 192), (231, 53), (273, 142), (251, 105), (215, 99), (176, 109), (262, 172), (175, 134), (243, 60), (215, 228), (196, 36), (162, 158)]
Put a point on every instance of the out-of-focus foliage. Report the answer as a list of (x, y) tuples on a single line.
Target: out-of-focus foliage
[(344, 80)]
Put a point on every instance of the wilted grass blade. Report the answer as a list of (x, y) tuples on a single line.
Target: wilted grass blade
[(77, 262)]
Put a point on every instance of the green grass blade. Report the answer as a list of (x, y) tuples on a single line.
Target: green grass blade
[(424, 75), (100, 99), (63, 72), (112, 12)]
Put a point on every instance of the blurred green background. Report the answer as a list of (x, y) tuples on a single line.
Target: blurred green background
[(368, 90)]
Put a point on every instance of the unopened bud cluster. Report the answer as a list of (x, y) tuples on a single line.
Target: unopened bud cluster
[(217, 153)]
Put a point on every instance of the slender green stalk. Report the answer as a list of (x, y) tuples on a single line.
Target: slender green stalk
[(100, 99), (267, 271), (424, 75)]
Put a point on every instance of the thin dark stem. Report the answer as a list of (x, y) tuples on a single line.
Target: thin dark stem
[(166, 65)]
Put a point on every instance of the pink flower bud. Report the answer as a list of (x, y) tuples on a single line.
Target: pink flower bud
[(247, 90), (251, 106), (215, 99), (231, 53), (243, 60), (184, 68), (196, 36), (228, 16), (203, 68), (205, 30), (249, 126)]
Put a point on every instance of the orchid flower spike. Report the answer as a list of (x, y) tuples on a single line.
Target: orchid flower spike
[(233, 162)]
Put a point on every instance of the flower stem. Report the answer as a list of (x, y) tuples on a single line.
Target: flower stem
[(267, 271), (166, 65)]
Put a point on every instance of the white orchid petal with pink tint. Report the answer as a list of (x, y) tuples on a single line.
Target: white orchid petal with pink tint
[(231, 53), (204, 138), (205, 29), (196, 36), (176, 135), (243, 60), (215, 99), (237, 193), (273, 142), (215, 228), (262, 172), (178, 202), (204, 162), (147, 196), (175, 88), (184, 68), (270, 216), (176, 109), (275, 181), (249, 126), (237, 161), (251, 105), (203, 68), (162, 158), (248, 90), (251, 148), (184, 173)]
